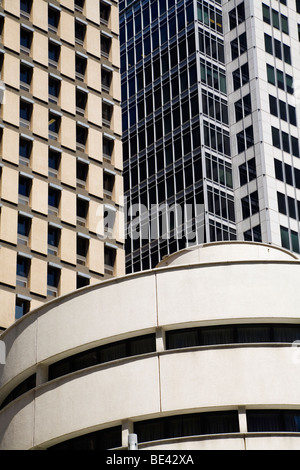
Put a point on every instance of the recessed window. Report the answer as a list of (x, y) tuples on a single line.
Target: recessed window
[(80, 67), (22, 307), (79, 5), (81, 137), (107, 111), (25, 40), (82, 281), (108, 184), (53, 19), (25, 148), (106, 79), (105, 45), (54, 125), (53, 200), (25, 8), (26, 108), (82, 210), (108, 146), (24, 189), (53, 162), (23, 267), (25, 77), (24, 225), (81, 173), (54, 89), (81, 101), (53, 53), (53, 278), (53, 240), (82, 249), (104, 13), (109, 260), (80, 31)]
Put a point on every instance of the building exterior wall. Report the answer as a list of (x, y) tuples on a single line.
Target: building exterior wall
[(40, 52), (266, 163), (215, 285)]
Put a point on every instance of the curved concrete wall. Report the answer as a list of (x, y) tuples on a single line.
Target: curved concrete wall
[(163, 382)]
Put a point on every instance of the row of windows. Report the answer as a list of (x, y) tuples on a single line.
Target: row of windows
[(277, 20), (161, 34), (250, 205), (211, 46), (285, 142), (288, 206), (220, 204), (218, 170), (205, 423), (278, 49), (216, 138), (209, 16), (280, 79), (177, 115), (283, 110), (287, 173), (289, 239), (177, 83), (175, 339), (212, 76)]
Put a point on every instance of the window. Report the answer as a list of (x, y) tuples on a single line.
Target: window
[(82, 210), (79, 5), (24, 225), (82, 280), (273, 420), (82, 249), (108, 146), (54, 89), (22, 307), (25, 40), (245, 139), (80, 31), (81, 101), (80, 67), (25, 8), (108, 184), (236, 16), (106, 79), (109, 219), (25, 148), (54, 125), (104, 13), (53, 162), (81, 173), (81, 137), (53, 278), (26, 107), (23, 267), (53, 239), (105, 45), (107, 111), (247, 171), (53, 53), (109, 259), (250, 205), (53, 18), (24, 189), (53, 200), (25, 76)]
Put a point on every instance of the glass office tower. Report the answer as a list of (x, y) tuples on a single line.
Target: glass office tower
[(176, 143)]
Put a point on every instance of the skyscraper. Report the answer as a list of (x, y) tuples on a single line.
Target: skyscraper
[(61, 158), (263, 71), (176, 141)]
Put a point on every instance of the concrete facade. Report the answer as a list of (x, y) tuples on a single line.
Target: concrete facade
[(214, 287), (61, 155)]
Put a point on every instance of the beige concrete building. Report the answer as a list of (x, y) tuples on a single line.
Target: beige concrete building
[(199, 353), (61, 155)]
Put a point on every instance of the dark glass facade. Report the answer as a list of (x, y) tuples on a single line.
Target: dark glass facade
[(176, 146)]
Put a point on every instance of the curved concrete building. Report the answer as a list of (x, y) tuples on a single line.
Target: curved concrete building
[(199, 353)]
